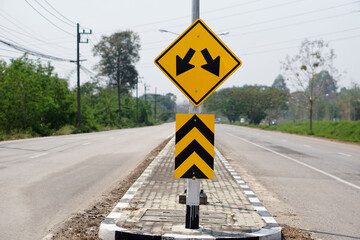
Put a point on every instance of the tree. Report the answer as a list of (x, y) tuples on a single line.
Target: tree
[(275, 100), (280, 84), (303, 70), (224, 102), (348, 103), (255, 103), (33, 98), (252, 101), (119, 52)]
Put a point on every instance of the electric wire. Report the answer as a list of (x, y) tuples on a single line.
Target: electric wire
[(256, 10), (290, 47), (300, 39), (295, 24), (286, 41), (187, 16), (261, 22), (59, 12), (34, 53), (291, 16), (271, 50), (33, 37), (266, 29), (49, 20), (22, 40), (71, 25), (8, 50), (6, 56)]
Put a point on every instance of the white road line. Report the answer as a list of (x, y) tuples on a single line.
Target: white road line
[(307, 146), (38, 155), (344, 154), (299, 162), (85, 143)]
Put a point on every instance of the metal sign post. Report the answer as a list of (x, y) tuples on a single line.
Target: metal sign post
[(193, 185), (197, 62)]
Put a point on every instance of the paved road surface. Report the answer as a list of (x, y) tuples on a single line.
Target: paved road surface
[(44, 180), (318, 180)]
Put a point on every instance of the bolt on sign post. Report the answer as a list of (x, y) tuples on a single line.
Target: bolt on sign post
[(197, 62)]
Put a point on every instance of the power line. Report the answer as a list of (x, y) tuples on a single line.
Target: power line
[(59, 12), (187, 17), (256, 10), (6, 56), (288, 17), (262, 22), (8, 50), (49, 20), (30, 34), (15, 36), (267, 29), (299, 39), (279, 49), (232, 6), (71, 25), (284, 48), (34, 53), (33, 37), (294, 24)]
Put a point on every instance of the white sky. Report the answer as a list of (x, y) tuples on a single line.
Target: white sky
[(262, 33)]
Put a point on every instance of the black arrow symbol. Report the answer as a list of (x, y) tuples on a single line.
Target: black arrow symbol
[(183, 65), (212, 65)]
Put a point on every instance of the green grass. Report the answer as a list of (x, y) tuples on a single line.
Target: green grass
[(342, 130), (16, 135)]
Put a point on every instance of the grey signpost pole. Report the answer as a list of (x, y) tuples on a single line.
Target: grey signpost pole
[(193, 185)]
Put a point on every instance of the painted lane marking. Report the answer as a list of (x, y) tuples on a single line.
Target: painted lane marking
[(85, 143), (299, 162), (38, 155), (307, 146), (344, 154)]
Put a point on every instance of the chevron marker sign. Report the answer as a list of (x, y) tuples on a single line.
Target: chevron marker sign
[(194, 146)]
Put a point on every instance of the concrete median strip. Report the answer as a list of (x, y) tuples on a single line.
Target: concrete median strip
[(150, 208)]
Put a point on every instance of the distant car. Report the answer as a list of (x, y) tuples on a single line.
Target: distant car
[(274, 122)]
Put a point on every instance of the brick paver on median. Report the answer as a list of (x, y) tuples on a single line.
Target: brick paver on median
[(154, 208)]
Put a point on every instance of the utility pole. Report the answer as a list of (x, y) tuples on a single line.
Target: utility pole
[(193, 185), (145, 90), (78, 41), (155, 107), (137, 102)]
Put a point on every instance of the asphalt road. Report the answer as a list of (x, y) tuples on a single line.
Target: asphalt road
[(308, 182), (44, 180)]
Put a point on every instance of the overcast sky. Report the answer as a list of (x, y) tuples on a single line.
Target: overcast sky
[(262, 33)]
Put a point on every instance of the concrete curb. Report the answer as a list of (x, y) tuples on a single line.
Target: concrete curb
[(109, 230), (272, 230)]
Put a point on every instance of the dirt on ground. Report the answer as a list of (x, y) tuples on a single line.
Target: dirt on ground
[(85, 225), (291, 233)]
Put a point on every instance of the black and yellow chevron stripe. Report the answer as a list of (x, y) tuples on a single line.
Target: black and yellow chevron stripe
[(194, 146)]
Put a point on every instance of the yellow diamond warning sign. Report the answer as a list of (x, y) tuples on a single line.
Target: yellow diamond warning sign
[(197, 62)]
